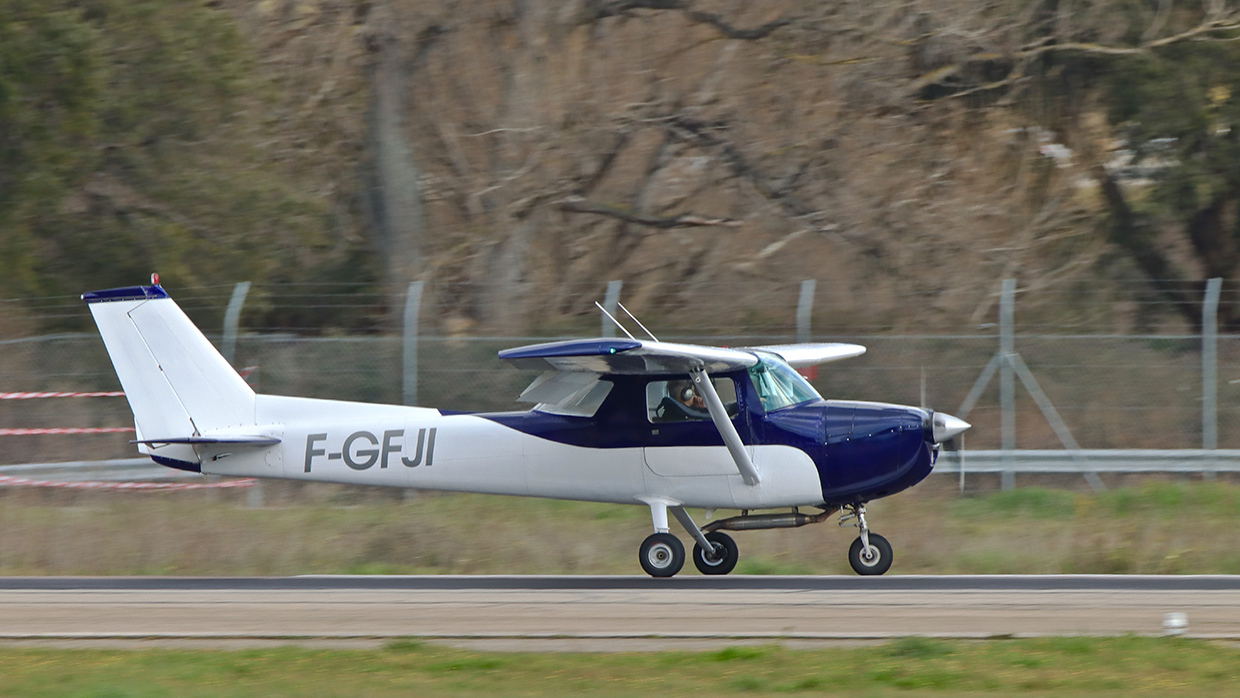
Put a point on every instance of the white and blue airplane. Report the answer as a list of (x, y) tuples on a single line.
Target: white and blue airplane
[(627, 421)]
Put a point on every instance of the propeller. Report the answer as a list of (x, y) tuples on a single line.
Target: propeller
[(948, 430), (944, 428)]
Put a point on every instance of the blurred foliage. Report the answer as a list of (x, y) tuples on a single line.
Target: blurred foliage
[(1179, 112), (1173, 135), (136, 136), (50, 78)]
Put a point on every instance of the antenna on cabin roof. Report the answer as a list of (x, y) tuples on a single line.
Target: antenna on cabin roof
[(639, 322), (609, 317)]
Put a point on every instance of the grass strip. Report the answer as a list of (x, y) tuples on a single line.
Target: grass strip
[(907, 667), (1139, 529)]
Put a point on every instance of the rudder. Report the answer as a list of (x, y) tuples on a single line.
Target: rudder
[(177, 383)]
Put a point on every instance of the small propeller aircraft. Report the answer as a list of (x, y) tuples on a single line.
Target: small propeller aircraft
[(628, 421)]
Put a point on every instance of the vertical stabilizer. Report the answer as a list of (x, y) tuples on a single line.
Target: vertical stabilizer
[(177, 384)]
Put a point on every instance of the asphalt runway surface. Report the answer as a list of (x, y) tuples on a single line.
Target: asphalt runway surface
[(584, 613)]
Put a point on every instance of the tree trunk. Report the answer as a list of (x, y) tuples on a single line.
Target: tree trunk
[(397, 218)]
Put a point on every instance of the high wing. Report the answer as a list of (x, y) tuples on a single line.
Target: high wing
[(803, 355), (640, 356), (626, 357)]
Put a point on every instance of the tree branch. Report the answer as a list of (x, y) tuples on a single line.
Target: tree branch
[(699, 133), (732, 32), (576, 204), (612, 8), (1048, 44), (1219, 25)]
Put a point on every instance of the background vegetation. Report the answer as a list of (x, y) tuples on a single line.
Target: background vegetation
[(514, 154), (140, 136), (327, 529)]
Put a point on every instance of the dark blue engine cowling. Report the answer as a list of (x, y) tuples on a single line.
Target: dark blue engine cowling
[(863, 450)]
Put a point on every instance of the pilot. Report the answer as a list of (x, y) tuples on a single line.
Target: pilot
[(682, 403)]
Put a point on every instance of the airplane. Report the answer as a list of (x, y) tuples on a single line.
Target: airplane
[(621, 420)]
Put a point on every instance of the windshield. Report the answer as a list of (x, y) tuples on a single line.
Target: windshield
[(778, 384)]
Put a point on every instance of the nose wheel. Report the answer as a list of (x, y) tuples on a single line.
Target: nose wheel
[(876, 560), (870, 553)]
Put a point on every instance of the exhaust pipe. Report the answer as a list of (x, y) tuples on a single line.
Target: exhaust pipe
[(756, 522)]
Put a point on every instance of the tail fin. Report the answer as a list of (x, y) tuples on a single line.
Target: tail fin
[(177, 384)]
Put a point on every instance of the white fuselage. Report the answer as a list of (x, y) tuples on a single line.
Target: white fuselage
[(415, 447)]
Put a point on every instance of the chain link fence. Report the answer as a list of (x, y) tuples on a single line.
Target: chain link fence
[(1130, 391)]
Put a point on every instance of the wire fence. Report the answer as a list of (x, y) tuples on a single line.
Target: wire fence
[(1113, 391), (1123, 392), (710, 308)]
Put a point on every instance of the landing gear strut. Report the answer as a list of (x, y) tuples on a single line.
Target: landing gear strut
[(870, 553), (715, 553), (662, 554)]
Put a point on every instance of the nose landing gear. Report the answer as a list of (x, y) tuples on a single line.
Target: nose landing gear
[(870, 553)]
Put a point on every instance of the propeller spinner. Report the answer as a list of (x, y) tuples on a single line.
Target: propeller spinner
[(944, 427)]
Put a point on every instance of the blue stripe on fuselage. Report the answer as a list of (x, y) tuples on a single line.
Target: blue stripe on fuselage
[(862, 451)]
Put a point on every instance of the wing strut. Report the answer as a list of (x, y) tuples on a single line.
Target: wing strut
[(726, 429)]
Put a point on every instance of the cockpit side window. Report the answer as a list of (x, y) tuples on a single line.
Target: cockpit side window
[(679, 401), (778, 384)]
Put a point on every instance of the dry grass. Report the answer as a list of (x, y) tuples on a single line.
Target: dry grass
[(326, 529)]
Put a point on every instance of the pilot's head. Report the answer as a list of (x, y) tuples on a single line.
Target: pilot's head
[(682, 391)]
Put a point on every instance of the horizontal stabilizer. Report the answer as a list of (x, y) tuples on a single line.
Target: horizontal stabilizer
[(242, 440)]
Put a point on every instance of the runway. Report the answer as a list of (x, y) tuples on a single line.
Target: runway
[(579, 612)]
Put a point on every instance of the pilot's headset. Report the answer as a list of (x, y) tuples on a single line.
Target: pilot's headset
[(681, 390)]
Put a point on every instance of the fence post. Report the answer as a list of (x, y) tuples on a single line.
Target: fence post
[(413, 307), (805, 310), (1007, 384), (232, 318), (1209, 368), (254, 496), (609, 303), (228, 347)]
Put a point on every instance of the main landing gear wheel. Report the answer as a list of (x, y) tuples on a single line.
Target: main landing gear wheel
[(724, 559), (876, 560), (662, 555)]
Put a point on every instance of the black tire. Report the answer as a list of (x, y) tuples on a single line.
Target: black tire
[(662, 555), (728, 554), (879, 564)]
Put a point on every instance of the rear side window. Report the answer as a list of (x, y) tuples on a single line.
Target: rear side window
[(567, 393), (678, 401)]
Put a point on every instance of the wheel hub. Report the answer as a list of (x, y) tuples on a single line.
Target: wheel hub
[(715, 556), (660, 556)]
